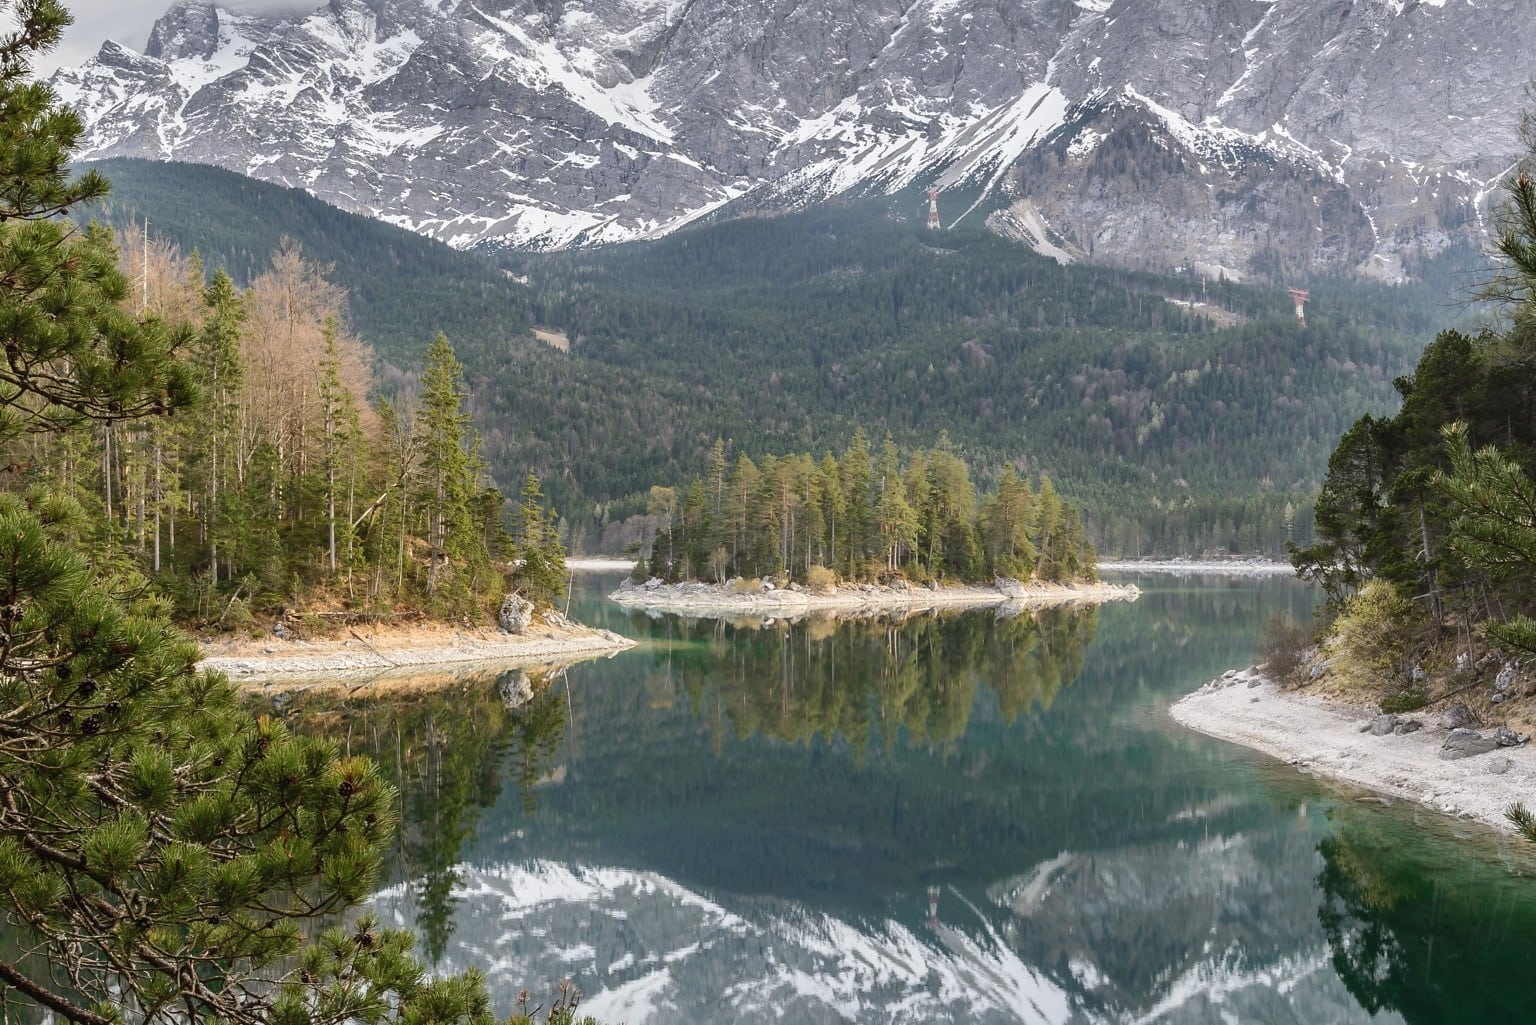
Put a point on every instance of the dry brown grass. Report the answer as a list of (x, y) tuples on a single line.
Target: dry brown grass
[(820, 579)]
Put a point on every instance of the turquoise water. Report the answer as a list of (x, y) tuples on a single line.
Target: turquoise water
[(952, 818)]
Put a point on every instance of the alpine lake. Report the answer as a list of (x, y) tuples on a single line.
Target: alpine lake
[(952, 817)]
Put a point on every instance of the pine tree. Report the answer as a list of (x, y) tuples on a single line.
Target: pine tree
[(165, 856)]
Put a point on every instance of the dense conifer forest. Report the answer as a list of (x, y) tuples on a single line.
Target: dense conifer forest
[(862, 516), (1180, 415), (290, 485)]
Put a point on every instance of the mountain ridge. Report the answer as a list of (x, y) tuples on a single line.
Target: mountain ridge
[(1268, 138)]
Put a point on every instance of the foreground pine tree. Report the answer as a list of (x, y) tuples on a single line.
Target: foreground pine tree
[(164, 855)]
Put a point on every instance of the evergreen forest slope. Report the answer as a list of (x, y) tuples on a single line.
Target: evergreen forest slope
[(1174, 427)]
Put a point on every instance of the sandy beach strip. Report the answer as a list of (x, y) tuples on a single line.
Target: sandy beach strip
[(1325, 739), (718, 600), (363, 649)]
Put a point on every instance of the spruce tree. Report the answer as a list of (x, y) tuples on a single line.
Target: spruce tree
[(450, 482), (541, 574)]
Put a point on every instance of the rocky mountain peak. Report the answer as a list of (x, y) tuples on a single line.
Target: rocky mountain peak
[(1261, 136), (189, 29)]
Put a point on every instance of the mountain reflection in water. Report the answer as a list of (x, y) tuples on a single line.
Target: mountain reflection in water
[(947, 818)]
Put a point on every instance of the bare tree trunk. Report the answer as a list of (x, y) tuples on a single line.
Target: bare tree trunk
[(158, 501)]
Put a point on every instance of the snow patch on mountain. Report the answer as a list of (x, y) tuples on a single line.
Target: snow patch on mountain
[(596, 121)]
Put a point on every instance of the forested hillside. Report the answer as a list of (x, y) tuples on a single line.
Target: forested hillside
[(403, 288), (1180, 415)]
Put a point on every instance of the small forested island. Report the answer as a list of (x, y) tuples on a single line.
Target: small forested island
[(860, 529), (1416, 677)]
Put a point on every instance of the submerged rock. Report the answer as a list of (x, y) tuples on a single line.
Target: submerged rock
[(1464, 743)]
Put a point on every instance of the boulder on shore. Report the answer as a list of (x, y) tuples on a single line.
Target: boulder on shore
[(515, 614), (1457, 716), (1380, 726), (1010, 587), (1464, 743), (1507, 737)]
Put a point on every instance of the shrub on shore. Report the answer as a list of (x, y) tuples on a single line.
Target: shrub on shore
[(1283, 644), (1375, 640)]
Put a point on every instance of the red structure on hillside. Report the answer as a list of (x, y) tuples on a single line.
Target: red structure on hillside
[(933, 210)]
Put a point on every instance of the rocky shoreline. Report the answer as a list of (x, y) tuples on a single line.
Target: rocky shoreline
[(767, 599), (365, 651), (1438, 761)]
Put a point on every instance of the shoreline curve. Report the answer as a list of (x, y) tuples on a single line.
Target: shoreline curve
[(1332, 741)]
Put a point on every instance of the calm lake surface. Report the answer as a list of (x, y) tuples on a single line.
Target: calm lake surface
[(952, 819)]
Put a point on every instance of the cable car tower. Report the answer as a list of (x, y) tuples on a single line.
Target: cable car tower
[(933, 209), (1301, 296)]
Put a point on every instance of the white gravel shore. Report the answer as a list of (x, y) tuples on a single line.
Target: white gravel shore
[(1325, 740), (717, 600), (1201, 567), (364, 649), (598, 564)]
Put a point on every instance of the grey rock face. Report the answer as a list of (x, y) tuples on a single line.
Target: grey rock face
[(1505, 678), (1243, 137)]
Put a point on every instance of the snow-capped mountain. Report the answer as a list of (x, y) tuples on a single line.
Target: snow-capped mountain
[(1256, 135)]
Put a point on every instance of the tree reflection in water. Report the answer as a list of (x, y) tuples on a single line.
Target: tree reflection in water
[(871, 678), (446, 749), (1420, 925)]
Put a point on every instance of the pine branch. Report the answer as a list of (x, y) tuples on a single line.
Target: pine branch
[(1524, 821), (48, 998)]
